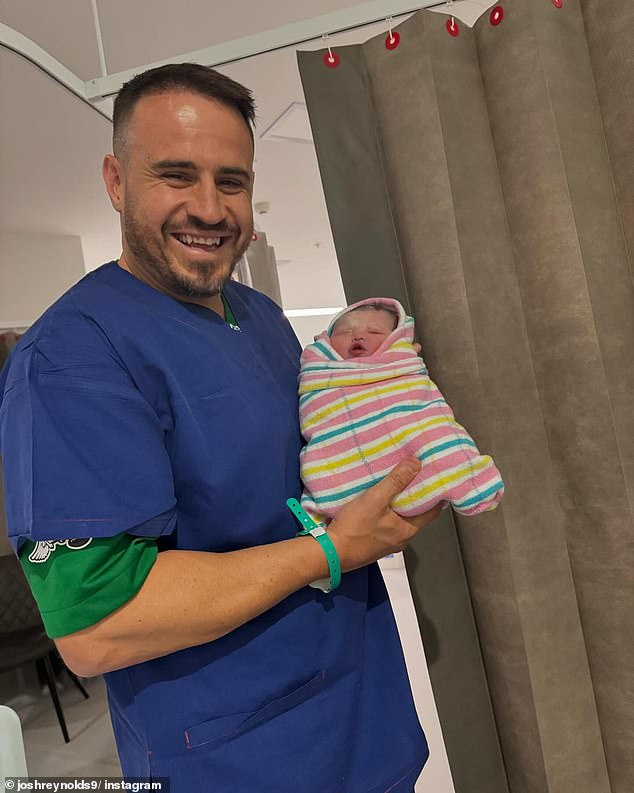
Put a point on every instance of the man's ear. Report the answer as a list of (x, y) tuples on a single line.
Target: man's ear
[(112, 172)]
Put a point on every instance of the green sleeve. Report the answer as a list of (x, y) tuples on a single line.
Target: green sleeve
[(76, 583)]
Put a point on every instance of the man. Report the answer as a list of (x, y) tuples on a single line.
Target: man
[(154, 408)]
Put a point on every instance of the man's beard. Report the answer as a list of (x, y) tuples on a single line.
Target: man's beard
[(154, 260)]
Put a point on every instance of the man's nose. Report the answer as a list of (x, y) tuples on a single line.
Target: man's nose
[(207, 205)]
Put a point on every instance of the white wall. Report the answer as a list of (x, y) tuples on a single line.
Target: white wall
[(306, 328), (436, 776), (35, 269)]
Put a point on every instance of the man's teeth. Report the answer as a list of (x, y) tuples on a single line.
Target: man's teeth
[(187, 239)]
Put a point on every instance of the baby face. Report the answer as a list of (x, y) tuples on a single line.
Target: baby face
[(360, 333)]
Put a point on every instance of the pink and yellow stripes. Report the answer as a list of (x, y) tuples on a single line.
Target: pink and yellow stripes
[(360, 417)]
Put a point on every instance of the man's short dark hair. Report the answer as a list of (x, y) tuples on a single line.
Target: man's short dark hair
[(190, 77)]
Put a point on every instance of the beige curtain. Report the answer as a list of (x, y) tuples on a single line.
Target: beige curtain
[(488, 181)]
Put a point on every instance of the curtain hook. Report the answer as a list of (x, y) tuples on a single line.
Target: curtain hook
[(452, 26), (331, 59), (393, 37), (496, 16)]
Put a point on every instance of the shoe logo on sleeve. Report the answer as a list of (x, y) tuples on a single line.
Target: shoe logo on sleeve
[(44, 548)]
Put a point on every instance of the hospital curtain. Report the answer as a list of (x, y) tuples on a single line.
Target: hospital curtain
[(487, 181)]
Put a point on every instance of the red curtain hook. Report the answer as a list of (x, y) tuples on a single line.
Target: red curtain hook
[(393, 40), (452, 27), (331, 59), (497, 15)]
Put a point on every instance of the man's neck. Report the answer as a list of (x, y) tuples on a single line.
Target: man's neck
[(214, 302)]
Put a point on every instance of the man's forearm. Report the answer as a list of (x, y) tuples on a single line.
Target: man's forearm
[(193, 597)]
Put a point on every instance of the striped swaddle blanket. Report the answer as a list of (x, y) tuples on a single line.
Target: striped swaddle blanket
[(361, 416)]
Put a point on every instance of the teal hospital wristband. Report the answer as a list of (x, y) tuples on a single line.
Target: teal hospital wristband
[(318, 531)]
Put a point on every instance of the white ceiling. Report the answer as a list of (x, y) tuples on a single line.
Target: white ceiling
[(52, 144), (137, 32)]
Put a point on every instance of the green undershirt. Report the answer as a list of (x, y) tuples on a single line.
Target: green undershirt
[(75, 588), (229, 316)]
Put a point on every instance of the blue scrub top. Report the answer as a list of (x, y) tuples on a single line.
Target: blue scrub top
[(126, 410)]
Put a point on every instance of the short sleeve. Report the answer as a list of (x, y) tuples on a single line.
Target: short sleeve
[(83, 451), (76, 583)]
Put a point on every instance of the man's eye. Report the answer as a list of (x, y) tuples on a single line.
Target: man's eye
[(176, 177)]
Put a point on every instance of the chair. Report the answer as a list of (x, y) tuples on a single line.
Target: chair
[(22, 635)]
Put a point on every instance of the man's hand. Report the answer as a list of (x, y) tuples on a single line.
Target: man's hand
[(367, 529)]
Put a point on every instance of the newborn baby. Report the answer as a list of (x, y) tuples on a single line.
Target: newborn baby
[(366, 400)]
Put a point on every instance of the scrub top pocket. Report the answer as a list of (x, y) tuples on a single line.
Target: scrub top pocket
[(225, 728)]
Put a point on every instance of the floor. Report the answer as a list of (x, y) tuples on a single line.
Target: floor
[(91, 751)]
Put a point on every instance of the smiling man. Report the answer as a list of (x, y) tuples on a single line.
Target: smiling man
[(150, 439), (181, 178)]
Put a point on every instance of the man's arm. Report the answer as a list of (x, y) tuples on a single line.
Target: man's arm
[(193, 597)]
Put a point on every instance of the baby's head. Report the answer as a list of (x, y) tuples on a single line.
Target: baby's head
[(359, 333)]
